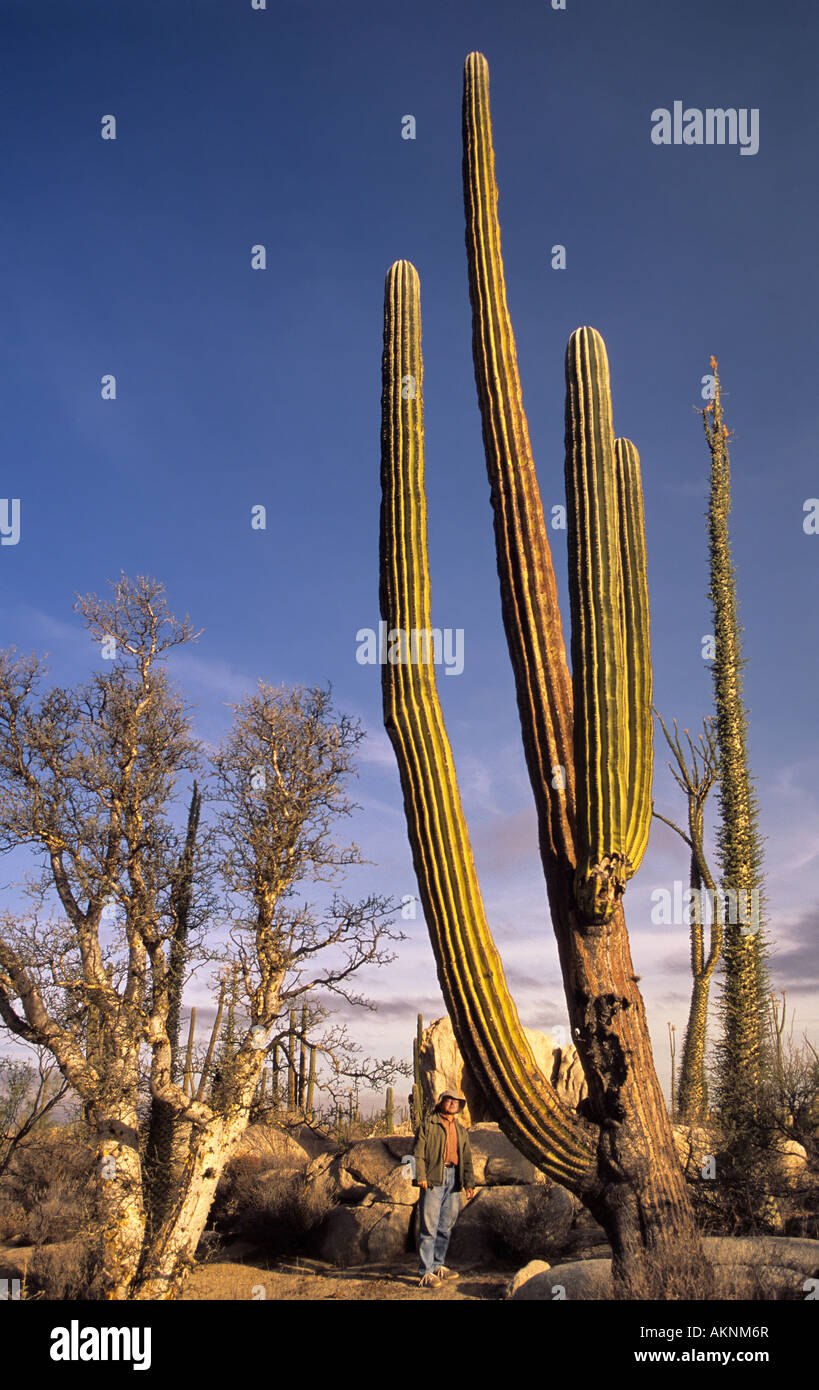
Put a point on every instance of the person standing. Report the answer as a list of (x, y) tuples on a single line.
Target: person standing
[(443, 1169)]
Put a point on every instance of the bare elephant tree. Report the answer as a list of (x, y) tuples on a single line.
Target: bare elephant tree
[(89, 780)]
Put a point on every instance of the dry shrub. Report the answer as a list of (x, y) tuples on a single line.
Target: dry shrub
[(13, 1216), (661, 1277), (751, 1195), (278, 1211), (64, 1270), (527, 1234), (44, 1192)]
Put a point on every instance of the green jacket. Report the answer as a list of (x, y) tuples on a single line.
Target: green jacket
[(428, 1152)]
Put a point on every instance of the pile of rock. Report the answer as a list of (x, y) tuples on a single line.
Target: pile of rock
[(374, 1218)]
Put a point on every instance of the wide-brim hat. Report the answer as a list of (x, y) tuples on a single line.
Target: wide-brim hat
[(451, 1093)]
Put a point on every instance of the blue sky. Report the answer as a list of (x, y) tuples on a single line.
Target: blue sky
[(238, 387)]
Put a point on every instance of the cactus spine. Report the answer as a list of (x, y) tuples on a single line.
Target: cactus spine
[(611, 665)]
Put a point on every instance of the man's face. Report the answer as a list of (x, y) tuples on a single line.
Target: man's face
[(451, 1106)]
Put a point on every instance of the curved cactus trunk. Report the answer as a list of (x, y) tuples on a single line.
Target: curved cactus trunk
[(472, 980), (531, 614)]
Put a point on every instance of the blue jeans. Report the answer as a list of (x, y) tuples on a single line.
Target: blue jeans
[(439, 1212)]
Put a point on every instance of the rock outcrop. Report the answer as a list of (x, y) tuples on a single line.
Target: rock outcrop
[(273, 1146), (792, 1160), (515, 1208), (372, 1232), (442, 1065)]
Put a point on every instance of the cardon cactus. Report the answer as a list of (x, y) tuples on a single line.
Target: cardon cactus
[(618, 1156)]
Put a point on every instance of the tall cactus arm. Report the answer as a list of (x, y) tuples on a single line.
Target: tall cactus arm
[(470, 972), (595, 594), (637, 669), (531, 613)]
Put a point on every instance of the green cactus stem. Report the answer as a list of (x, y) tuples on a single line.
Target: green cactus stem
[(611, 657), (531, 613), (389, 1111), (638, 675)]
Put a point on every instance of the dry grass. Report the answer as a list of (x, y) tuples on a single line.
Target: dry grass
[(44, 1196), (62, 1271), (686, 1275)]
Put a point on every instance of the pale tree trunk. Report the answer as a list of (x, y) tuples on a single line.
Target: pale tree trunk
[(169, 1254), (119, 1208)]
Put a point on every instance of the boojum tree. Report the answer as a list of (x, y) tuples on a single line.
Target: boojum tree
[(587, 741), (743, 1047)]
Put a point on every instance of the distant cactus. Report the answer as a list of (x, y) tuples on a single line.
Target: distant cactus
[(214, 1034), (311, 1084), (275, 1087), (389, 1111), (187, 1083), (302, 1090), (417, 1094), (291, 1062)]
